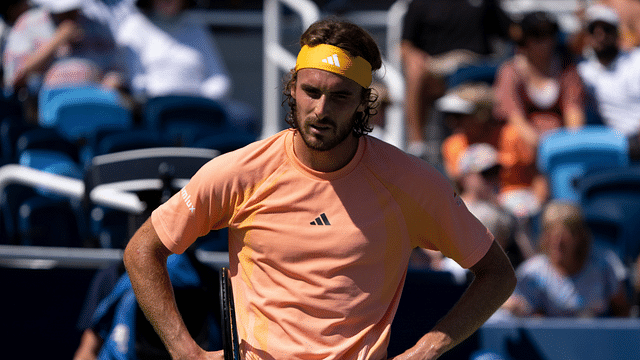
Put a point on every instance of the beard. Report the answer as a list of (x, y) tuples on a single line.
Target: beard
[(324, 134)]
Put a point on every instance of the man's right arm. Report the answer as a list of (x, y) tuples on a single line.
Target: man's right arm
[(145, 258)]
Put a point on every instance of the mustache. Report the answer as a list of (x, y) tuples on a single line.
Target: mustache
[(324, 121)]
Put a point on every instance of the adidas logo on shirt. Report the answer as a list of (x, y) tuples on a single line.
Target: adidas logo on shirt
[(333, 60), (321, 220)]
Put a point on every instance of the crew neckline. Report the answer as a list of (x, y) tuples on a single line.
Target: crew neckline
[(334, 175)]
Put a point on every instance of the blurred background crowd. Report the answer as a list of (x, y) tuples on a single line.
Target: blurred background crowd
[(536, 123)]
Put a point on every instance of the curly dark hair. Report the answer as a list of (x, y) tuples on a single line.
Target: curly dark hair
[(355, 41)]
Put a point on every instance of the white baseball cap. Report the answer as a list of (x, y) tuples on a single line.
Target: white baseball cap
[(454, 104), (478, 158), (602, 13), (60, 6)]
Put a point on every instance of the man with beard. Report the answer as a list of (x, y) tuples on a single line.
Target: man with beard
[(322, 220), (612, 75)]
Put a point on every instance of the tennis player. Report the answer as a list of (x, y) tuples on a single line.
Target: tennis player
[(322, 220)]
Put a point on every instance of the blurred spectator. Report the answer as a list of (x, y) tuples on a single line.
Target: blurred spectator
[(628, 13), (612, 75), (112, 12), (55, 44), (468, 112), (439, 36), (479, 185), (169, 53), (10, 10), (537, 90), (571, 277)]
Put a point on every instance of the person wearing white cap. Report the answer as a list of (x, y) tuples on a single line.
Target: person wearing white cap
[(467, 110), (612, 75), (55, 43)]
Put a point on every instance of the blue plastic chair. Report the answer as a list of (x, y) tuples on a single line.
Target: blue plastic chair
[(51, 161), (45, 139), (226, 141), (610, 200), (183, 119), (51, 99), (46, 221), (566, 155)]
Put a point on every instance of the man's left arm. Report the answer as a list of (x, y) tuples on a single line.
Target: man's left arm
[(494, 281)]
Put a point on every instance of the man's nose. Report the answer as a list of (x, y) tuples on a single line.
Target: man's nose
[(321, 107)]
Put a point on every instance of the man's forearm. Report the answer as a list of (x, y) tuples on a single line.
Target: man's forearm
[(494, 282), (147, 269)]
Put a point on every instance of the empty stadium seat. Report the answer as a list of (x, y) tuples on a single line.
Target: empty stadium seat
[(45, 139), (149, 173), (226, 141), (51, 99), (565, 155), (11, 197), (10, 131), (184, 119), (48, 222), (610, 200)]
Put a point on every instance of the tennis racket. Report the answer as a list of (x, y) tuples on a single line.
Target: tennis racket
[(230, 341)]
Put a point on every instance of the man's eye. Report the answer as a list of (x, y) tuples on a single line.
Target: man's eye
[(313, 93)]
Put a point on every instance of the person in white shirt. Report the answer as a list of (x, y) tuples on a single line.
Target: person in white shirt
[(612, 75), (169, 54)]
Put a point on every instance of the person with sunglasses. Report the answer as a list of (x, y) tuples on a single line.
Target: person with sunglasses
[(612, 76)]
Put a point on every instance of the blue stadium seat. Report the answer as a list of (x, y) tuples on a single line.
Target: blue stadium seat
[(10, 131), (226, 141), (116, 141), (610, 200), (184, 119), (51, 99), (45, 139), (51, 161), (48, 222), (566, 155), (484, 72), (11, 197)]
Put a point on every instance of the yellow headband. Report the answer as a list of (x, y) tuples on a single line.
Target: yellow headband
[(334, 59)]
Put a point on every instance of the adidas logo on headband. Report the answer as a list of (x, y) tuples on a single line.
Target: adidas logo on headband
[(333, 60), (336, 60)]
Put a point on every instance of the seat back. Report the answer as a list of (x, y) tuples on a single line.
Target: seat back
[(151, 173), (46, 139), (51, 99), (184, 118), (79, 120), (610, 200), (567, 155), (48, 222)]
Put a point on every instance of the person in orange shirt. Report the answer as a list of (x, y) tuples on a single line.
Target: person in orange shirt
[(468, 111), (322, 219)]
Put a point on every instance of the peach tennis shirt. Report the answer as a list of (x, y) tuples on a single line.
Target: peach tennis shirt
[(318, 260)]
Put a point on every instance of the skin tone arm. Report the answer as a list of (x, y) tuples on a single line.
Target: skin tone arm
[(145, 259), (90, 345), (494, 282)]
